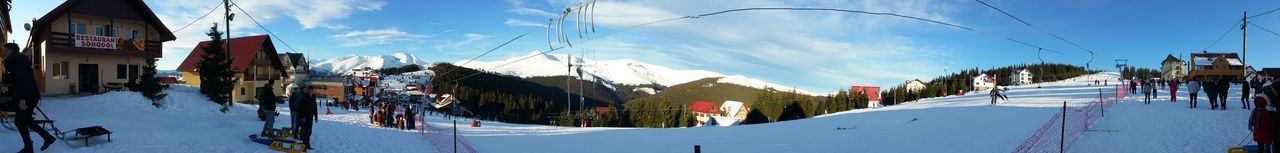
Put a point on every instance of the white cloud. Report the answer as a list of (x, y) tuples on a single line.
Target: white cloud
[(310, 14), (525, 23), (816, 51), (467, 39), (379, 36)]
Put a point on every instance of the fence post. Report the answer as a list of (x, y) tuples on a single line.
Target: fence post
[(455, 135), (1103, 101), (697, 148), (1062, 134)]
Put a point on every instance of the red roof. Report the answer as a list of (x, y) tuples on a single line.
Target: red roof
[(704, 107), (243, 51), (169, 80), (105, 8)]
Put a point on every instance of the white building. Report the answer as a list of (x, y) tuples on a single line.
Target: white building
[(915, 85), (983, 82), (1020, 77)]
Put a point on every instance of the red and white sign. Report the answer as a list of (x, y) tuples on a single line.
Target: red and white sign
[(91, 41)]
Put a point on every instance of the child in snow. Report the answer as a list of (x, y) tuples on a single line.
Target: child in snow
[(1262, 126), (1193, 90)]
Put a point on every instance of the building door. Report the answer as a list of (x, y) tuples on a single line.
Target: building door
[(88, 78)]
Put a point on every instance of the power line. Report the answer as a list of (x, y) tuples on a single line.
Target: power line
[(255, 21), (1224, 34), (1034, 27), (752, 9), (198, 19), (487, 52), (1264, 29), (1263, 13)]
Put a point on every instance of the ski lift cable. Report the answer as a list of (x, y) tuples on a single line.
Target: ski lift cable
[(198, 19), (1036, 28), (264, 28), (627, 28)]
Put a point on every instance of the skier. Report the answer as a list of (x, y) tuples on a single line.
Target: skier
[(995, 95), (1193, 90), (267, 105), (23, 90), (1146, 92), (1263, 127), (1173, 90)]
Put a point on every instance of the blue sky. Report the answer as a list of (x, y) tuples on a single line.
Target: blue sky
[(816, 51)]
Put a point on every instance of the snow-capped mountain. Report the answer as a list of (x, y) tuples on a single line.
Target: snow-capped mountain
[(622, 71), (341, 65)]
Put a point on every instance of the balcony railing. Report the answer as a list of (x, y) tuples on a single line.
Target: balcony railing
[(64, 40)]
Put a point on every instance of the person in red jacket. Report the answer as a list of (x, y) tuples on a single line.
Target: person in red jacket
[(1261, 125), (1173, 90)]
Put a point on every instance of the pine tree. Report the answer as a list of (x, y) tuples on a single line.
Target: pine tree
[(215, 70), (755, 117), (150, 85), (792, 112)]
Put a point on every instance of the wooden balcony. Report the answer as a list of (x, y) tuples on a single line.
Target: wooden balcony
[(59, 41)]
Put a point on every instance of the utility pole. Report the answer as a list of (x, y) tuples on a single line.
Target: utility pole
[(227, 15), (1244, 30)]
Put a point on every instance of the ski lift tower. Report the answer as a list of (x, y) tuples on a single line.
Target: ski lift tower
[(1122, 63)]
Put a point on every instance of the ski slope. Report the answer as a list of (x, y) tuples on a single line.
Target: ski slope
[(949, 124)]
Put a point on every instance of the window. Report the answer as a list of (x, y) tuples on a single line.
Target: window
[(131, 33), (121, 71), (104, 30), (126, 71), (59, 70), (77, 28), (242, 91)]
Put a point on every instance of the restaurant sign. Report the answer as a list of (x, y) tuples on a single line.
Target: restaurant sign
[(92, 41)]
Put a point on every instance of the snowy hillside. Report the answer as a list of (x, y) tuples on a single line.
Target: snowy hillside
[(624, 71), (966, 123), (340, 65)]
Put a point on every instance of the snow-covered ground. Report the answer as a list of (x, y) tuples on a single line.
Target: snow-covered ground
[(949, 124), (190, 123)]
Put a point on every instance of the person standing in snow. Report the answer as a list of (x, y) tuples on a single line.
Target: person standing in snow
[(1133, 86), (1224, 85), (23, 90), (294, 109), (1210, 87), (1146, 92), (1193, 90), (307, 116), (1173, 90), (1245, 95), (267, 104), (1263, 127)]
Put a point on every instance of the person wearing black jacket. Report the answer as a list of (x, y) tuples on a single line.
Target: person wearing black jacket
[(1245, 94), (1224, 85), (306, 114), (1210, 90), (23, 90), (267, 105)]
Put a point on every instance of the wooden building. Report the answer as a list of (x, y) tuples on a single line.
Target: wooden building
[(254, 60), (1216, 65), (90, 45)]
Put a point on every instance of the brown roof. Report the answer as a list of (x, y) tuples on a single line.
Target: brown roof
[(243, 51), (106, 8)]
